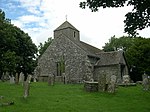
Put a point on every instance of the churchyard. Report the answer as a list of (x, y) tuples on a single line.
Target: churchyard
[(72, 98)]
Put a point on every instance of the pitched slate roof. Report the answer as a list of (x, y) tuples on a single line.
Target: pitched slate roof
[(64, 25), (110, 58), (91, 50)]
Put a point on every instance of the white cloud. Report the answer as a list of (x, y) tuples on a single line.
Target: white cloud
[(29, 18), (95, 27), (30, 3)]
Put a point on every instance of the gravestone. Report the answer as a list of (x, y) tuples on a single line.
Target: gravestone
[(21, 78), (5, 76), (102, 82), (145, 82), (112, 84), (126, 79), (34, 79), (12, 79), (51, 80), (17, 78), (29, 78), (26, 86)]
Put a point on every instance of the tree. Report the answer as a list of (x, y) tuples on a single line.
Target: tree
[(115, 43), (17, 51), (42, 47), (138, 19), (9, 62), (138, 58)]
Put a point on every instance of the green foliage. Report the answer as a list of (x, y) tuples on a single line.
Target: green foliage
[(8, 61), (138, 19), (73, 98), (16, 48), (138, 56), (118, 43), (42, 47)]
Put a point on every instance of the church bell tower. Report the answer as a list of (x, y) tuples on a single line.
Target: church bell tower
[(68, 30)]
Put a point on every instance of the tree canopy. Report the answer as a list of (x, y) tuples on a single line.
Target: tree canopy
[(137, 19), (42, 47), (17, 51), (115, 43), (137, 54)]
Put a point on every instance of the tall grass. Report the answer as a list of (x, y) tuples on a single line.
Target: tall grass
[(73, 98)]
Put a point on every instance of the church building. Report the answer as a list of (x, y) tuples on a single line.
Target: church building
[(76, 60)]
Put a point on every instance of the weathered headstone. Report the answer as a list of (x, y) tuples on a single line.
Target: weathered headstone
[(29, 78), (26, 88), (21, 78), (51, 80), (17, 78), (5, 76), (102, 82), (12, 79), (112, 84), (145, 82), (34, 79), (126, 79)]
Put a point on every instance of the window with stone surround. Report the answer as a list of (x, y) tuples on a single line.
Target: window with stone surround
[(60, 67)]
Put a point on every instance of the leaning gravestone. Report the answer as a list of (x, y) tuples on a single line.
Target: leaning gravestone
[(26, 88), (12, 79), (145, 82), (112, 84), (102, 82)]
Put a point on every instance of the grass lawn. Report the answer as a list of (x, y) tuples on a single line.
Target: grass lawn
[(72, 98)]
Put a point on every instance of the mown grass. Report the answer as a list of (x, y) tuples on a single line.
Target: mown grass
[(73, 98)]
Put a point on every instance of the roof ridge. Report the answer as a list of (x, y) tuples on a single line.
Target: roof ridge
[(65, 25)]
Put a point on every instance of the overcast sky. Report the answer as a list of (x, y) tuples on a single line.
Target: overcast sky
[(39, 18)]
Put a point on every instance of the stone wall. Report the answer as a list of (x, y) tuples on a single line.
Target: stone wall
[(108, 70), (75, 58), (71, 33)]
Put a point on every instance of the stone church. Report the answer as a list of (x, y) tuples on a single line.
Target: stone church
[(77, 61)]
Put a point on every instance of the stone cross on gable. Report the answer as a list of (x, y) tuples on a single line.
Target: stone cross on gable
[(66, 17)]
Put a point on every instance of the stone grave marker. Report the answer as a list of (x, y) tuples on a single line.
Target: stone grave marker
[(34, 79), (26, 86), (145, 82), (17, 78), (12, 79), (29, 78), (112, 84), (102, 82), (21, 78), (126, 79)]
